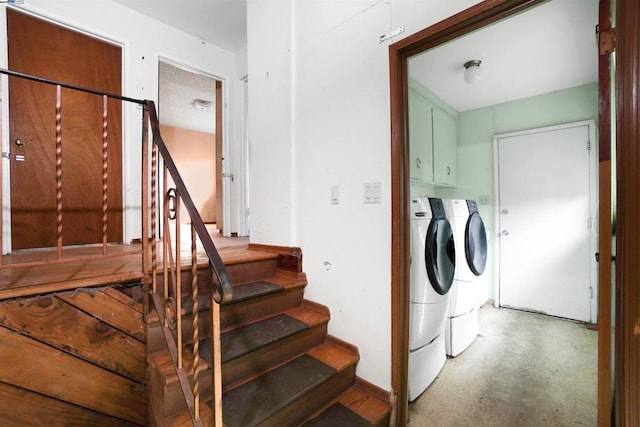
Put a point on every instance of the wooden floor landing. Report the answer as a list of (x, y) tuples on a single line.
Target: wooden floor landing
[(20, 276)]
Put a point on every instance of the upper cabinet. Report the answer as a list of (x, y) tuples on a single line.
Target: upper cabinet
[(420, 137), (433, 136)]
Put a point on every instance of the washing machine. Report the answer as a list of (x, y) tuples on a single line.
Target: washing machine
[(431, 276), (468, 292)]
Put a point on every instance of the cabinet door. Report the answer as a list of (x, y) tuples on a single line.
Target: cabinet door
[(445, 137), (420, 138)]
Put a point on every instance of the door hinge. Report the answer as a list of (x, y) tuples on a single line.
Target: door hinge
[(588, 145), (6, 155), (589, 223), (606, 40)]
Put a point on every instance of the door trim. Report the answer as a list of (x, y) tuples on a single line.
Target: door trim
[(593, 206)]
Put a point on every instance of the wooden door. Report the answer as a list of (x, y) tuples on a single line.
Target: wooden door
[(46, 50), (545, 221)]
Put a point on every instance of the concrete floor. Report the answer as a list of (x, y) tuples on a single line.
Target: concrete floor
[(522, 370)]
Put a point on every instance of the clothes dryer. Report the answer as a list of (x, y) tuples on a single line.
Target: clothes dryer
[(431, 276), (467, 291)]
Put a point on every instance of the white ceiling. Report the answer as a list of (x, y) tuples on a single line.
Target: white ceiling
[(547, 48), (219, 22), (178, 89), (550, 47)]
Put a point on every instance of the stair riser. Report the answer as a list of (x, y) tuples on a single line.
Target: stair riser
[(238, 274), (172, 397), (236, 315)]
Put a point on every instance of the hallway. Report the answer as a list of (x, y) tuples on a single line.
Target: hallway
[(523, 370)]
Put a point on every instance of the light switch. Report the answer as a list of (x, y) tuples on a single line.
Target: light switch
[(335, 195), (372, 192)]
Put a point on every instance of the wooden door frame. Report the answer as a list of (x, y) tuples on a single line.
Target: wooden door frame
[(627, 283), (627, 291)]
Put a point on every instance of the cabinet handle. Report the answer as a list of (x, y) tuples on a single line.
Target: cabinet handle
[(448, 170), (418, 163)]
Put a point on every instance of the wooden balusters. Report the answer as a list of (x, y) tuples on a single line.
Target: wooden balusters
[(195, 319), (105, 173), (154, 207), (59, 169), (178, 281)]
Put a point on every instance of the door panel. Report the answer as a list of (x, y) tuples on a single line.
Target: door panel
[(544, 222), (46, 50)]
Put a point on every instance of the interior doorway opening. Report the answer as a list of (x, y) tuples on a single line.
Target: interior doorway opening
[(438, 35), (190, 113)]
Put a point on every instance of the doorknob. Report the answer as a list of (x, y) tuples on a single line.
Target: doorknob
[(505, 211), (505, 232), (19, 143)]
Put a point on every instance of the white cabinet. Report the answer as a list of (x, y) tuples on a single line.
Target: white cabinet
[(432, 142), (445, 141), (420, 138)]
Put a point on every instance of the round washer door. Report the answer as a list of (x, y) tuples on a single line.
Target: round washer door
[(475, 242), (440, 255)]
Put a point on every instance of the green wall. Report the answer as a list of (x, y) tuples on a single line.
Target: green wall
[(476, 129)]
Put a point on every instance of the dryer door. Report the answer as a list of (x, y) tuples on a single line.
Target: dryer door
[(475, 242), (440, 255)]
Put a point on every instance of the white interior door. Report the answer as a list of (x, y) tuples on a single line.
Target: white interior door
[(546, 229)]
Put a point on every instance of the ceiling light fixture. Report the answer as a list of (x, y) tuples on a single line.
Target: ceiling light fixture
[(201, 104), (472, 71)]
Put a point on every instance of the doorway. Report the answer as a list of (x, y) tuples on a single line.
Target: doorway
[(43, 49), (190, 113), (474, 18)]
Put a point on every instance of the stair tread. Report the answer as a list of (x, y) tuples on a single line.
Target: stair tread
[(338, 415), (256, 400)]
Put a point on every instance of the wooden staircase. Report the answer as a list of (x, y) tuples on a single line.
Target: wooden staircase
[(279, 366), (73, 358)]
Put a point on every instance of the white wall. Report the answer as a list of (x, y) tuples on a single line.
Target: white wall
[(322, 119), (143, 41), (270, 121)]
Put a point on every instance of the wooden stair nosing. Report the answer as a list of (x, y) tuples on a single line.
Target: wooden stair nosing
[(70, 284)]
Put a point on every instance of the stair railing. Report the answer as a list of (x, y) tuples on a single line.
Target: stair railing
[(168, 301), (170, 310)]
